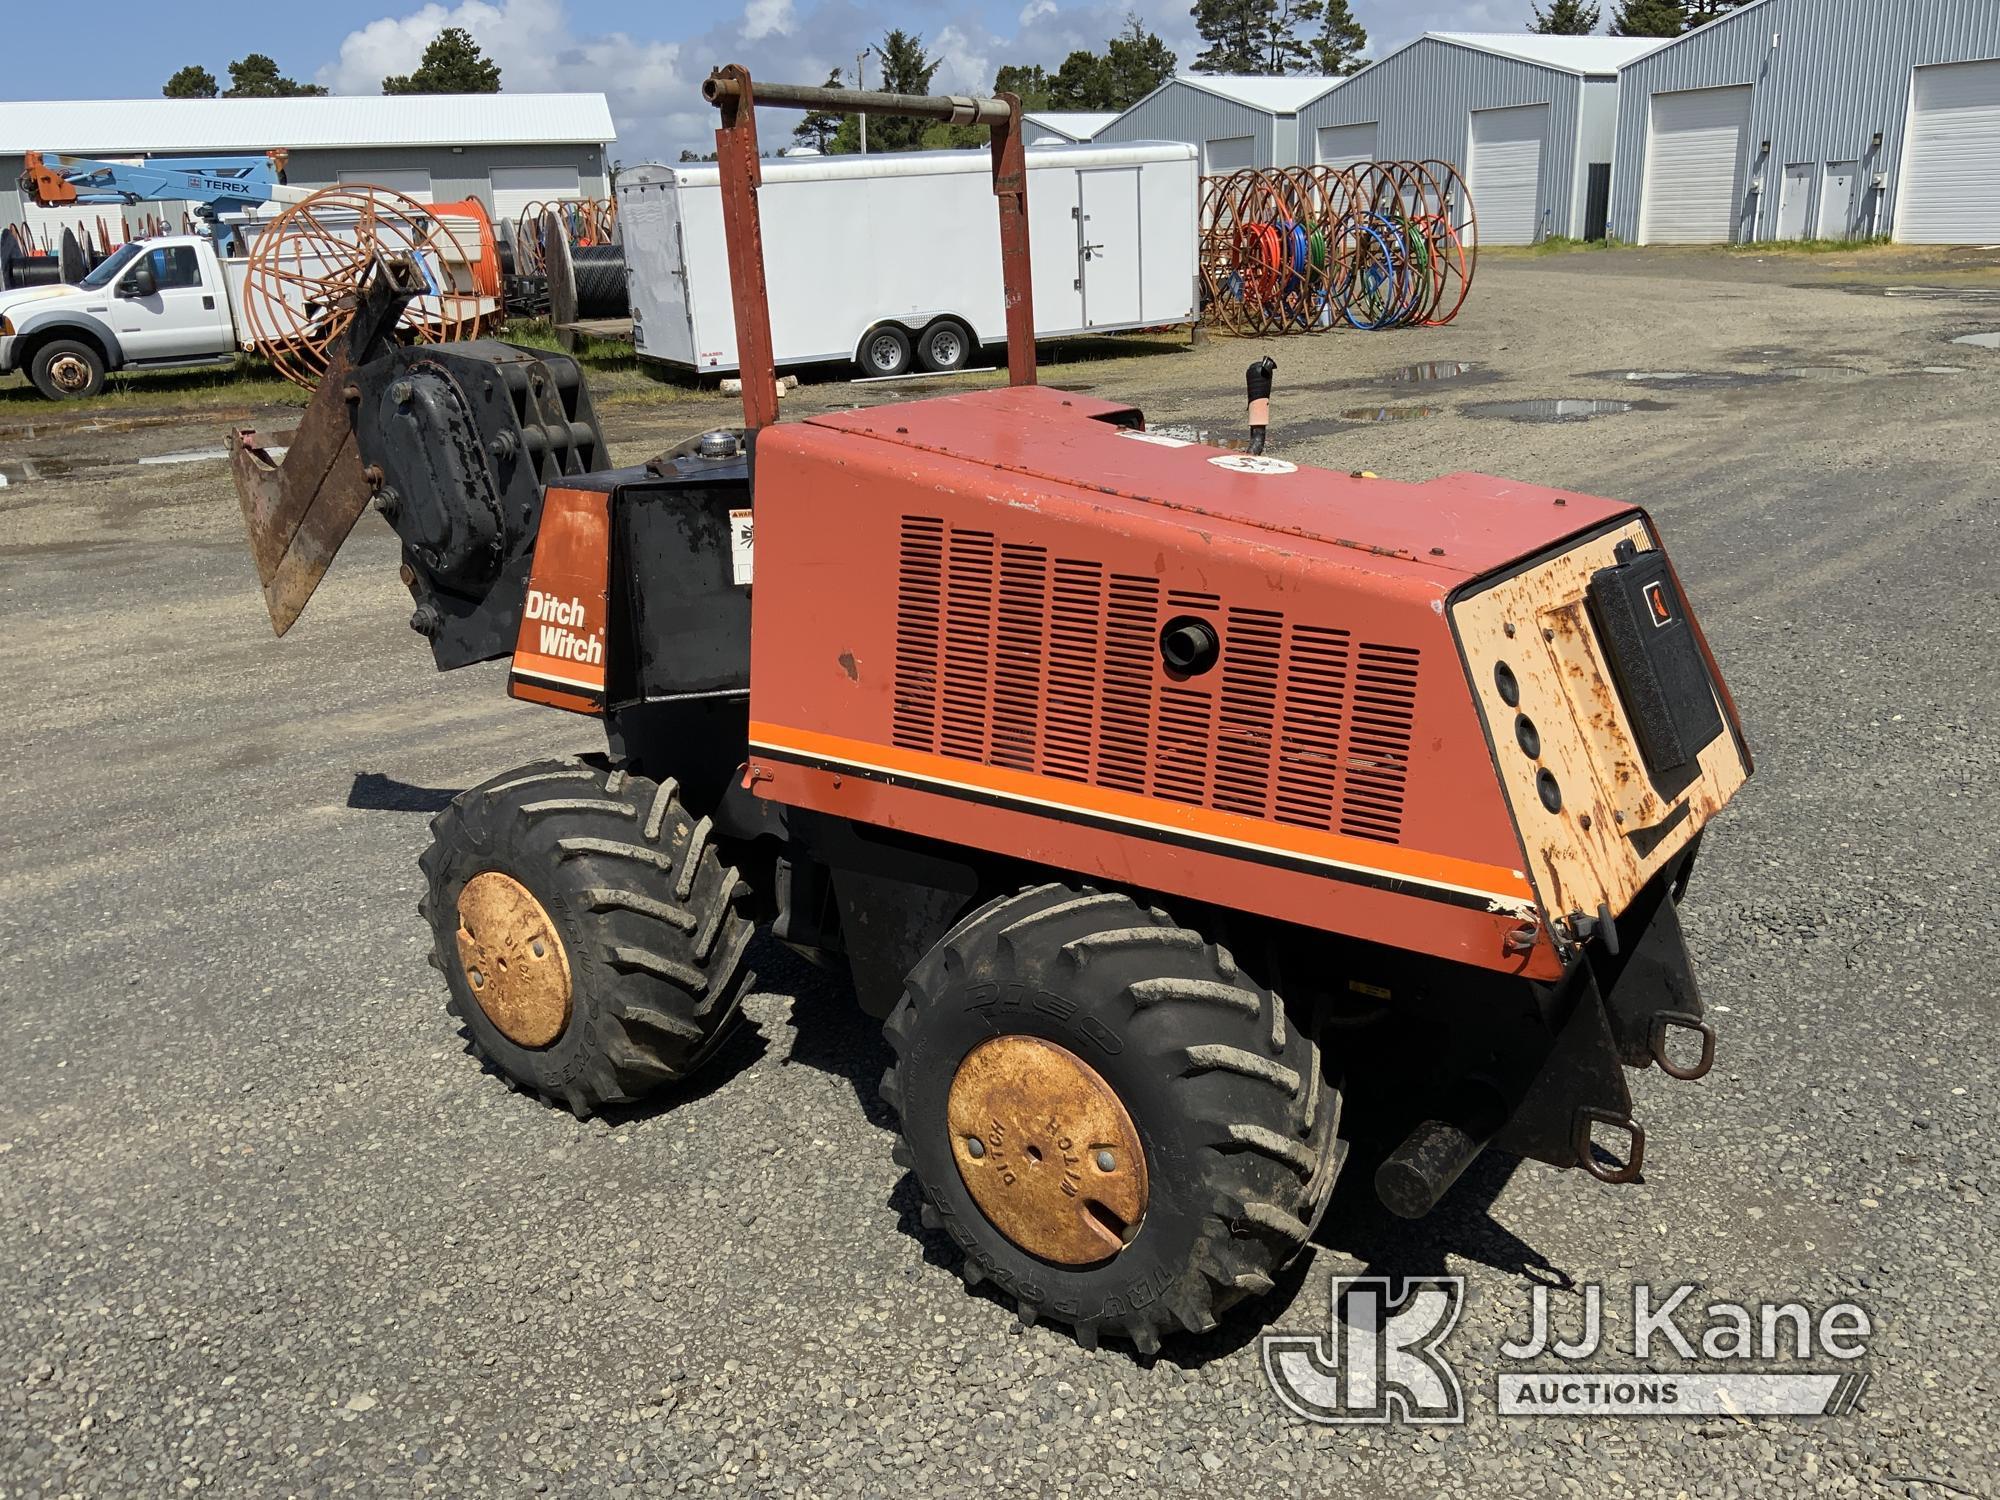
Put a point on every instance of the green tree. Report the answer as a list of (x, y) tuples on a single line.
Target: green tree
[(1029, 81), (1338, 49), (1258, 36), (817, 126), (1697, 12), (1232, 29), (192, 82), (1135, 63), (906, 69), (452, 64), (1646, 18), (256, 76), (1565, 18), (1082, 82)]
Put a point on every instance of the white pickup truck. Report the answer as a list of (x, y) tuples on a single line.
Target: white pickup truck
[(154, 303)]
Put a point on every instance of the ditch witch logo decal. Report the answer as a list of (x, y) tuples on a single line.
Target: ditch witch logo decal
[(1383, 1358)]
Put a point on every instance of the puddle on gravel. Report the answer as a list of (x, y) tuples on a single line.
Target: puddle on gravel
[(1683, 378), (16, 471), (1920, 293), (1556, 409), (1807, 372), (1429, 370), (1387, 413), (1979, 340)]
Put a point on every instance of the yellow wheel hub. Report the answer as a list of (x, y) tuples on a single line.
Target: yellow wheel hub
[(1047, 1150), (513, 959)]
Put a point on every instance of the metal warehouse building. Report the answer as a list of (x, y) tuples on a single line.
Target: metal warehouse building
[(1072, 125), (1529, 120), (504, 149), (1238, 121), (1794, 119)]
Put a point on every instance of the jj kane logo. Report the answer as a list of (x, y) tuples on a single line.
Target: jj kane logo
[(1383, 1360)]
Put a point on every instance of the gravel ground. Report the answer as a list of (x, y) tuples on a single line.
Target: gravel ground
[(266, 1229)]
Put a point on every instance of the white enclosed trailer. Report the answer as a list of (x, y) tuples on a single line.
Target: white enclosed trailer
[(894, 260)]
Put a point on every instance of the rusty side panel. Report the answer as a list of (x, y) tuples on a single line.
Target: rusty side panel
[(559, 654), (1614, 831), (993, 677)]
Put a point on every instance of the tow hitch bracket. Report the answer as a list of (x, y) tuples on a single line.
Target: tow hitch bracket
[(1589, 1116), (1665, 1021)]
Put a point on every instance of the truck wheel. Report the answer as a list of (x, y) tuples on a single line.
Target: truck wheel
[(945, 345), (66, 369), (586, 929), (1119, 1127), (885, 350)]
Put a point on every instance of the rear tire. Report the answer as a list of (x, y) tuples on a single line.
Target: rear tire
[(650, 946), (885, 350), (67, 370), (1226, 1095), (945, 346)]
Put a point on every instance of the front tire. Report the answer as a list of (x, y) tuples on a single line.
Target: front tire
[(1091, 995), (67, 370), (586, 929)]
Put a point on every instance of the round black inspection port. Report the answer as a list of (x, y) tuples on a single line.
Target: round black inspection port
[(1528, 737), (1510, 689), (1550, 791), (1189, 645)]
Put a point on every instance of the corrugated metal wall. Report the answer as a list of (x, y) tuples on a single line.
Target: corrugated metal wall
[(454, 175), (1180, 112), (1840, 72), (1422, 95)]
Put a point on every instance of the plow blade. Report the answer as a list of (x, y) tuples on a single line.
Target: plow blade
[(300, 510)]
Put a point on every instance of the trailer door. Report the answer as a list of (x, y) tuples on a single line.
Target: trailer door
[(1108, 223)]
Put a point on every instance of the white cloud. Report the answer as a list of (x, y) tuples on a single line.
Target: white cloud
[(654, 83), (762, 18)]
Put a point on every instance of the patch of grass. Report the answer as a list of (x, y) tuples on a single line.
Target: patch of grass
[(250, 382), (1807, 247)]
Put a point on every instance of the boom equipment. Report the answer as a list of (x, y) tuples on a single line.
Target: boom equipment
[(1187, 814)]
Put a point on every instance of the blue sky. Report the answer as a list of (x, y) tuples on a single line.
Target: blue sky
[(648, 57)]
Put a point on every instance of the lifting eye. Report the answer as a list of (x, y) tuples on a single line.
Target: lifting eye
[(1189, 645)]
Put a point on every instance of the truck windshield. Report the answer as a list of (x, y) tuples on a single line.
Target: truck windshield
[(107, 271)]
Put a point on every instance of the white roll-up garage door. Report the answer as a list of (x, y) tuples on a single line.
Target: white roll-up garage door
[(1951, 156), (1345, 145), (1505, 172), (1693, 188), (1228, 153), (514, 188)]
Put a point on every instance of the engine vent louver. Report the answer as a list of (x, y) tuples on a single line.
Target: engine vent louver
[(1010, 657)]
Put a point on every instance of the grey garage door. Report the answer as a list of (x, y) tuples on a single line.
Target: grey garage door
[(1694, 166), (1228, 153), (1344, 145), (1505, 172), (1951, 161)]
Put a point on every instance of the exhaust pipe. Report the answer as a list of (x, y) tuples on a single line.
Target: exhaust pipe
[(1258, 381)]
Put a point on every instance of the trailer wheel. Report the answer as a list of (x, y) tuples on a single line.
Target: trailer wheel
[(67, 369), (586, 929), (885, 350), (1121, 1129), (945, 345)]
